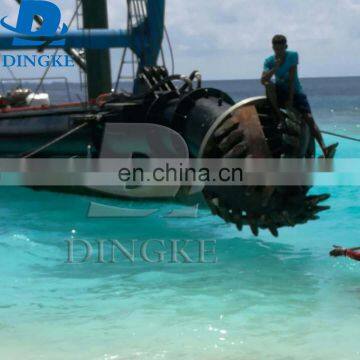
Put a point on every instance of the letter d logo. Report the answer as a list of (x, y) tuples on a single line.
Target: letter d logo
[(51, 17)]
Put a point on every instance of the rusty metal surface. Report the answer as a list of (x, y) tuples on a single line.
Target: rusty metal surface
[(242, 135)]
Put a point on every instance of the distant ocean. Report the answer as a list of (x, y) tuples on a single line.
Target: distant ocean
[(276, 299)]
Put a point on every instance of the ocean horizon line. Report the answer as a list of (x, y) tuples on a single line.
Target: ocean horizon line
[(217, 80)]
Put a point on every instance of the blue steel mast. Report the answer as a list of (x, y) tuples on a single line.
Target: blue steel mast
[(98, 66)]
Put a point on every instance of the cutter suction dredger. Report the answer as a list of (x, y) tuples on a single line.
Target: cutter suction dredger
[(210, 122), (208, 119), (214, 126)]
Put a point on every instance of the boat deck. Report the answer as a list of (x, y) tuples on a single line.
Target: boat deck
[(36, 111)]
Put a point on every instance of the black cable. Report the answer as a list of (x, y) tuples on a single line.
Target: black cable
[(161, 83), (341, 136), (191, 78)]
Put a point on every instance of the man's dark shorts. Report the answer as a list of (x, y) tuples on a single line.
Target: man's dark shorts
[(301, 102)]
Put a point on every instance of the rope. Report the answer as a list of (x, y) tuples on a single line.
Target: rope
[(62, 137), (12, 74), (55, 53), (123, 57), (341, 136), (43, 78), (137, 12), (137, 9), (171, 50)]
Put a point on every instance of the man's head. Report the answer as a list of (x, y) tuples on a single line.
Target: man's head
[(279, 43)]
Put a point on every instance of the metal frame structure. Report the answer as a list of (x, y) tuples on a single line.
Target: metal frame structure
[(21, 81)]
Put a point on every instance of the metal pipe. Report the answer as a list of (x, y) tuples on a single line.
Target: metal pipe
[(88, 38)]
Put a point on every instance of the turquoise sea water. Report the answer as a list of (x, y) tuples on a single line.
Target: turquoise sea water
[(266, 298)]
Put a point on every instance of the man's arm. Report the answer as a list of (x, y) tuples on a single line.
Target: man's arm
[(268, 74)]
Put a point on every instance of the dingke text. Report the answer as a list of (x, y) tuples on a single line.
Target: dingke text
[(150, 251), (24, 61), (44, 35)]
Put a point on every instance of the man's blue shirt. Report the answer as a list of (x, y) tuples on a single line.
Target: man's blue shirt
[(283, 73)]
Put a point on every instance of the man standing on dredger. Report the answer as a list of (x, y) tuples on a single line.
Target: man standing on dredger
[(287, 91)]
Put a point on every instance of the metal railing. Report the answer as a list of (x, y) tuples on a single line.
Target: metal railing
[(21, 81)]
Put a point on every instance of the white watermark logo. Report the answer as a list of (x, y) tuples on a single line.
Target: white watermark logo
[(149, 251)]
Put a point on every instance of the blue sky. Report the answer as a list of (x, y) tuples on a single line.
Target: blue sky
[(229, 39)]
